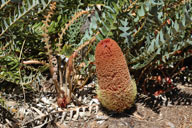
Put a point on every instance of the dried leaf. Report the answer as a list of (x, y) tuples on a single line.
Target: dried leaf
[(77, 114), (38, 111)]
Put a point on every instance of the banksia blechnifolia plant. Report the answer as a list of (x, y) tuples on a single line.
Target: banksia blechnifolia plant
[(116, 90), (70, 61), (63, 30), (62, 99)]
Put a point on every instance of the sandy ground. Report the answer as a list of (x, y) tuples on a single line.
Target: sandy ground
[(172, 109)]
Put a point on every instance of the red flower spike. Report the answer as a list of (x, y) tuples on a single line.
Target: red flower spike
[(116, 90)]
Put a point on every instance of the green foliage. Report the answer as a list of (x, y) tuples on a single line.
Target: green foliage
[(19, 12), (149, 32), (24, 23)]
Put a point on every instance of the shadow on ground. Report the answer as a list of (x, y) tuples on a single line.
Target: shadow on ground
[(125, 113), (173, 97)]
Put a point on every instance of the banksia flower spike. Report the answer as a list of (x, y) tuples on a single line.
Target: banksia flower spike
[(116, 90)]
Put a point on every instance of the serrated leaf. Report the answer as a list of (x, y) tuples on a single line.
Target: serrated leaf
[(99, 37), (181, 27), (189, 42), (136, 19), (113, 27), (43, 2), (124, 23), (115, 6), (157, 41), (103, 31), (107, 26), (19, 11), (124, 34), (158, 51), (24, 9), (33, 2), (5, 23), (10, 20), (124, 29), (159, 16), (110, 33), (15, 66), (28, 3), (147, 6), (58, 18), (104, 16), (93, 23), (151, 47), (183, 20), (109, 8), (161, 37), (97, 16), (141, 11), (176, 26), (2, 30), (109, 17)]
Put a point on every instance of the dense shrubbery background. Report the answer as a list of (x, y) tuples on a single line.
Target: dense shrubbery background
[(152, 34)]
